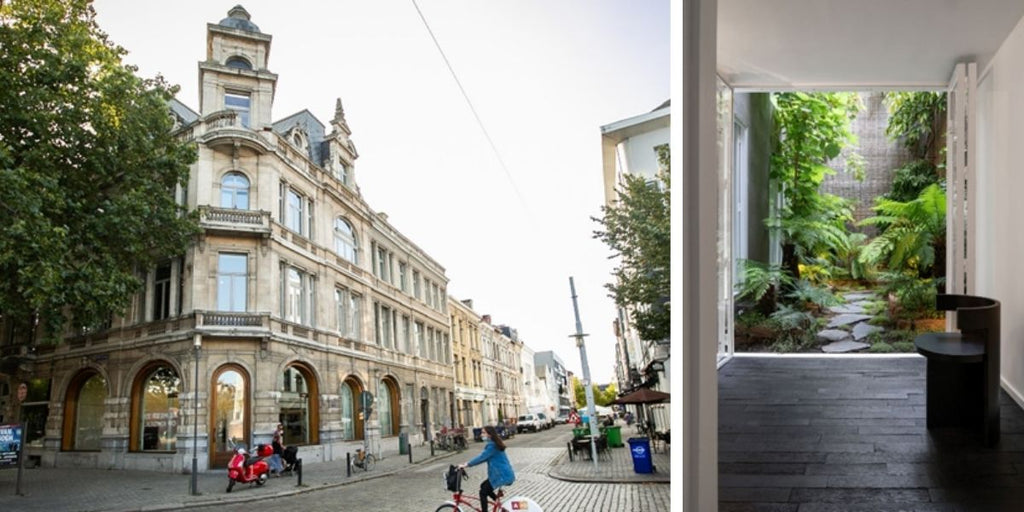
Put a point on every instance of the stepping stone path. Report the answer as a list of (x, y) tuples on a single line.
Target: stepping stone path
[(850, 314), (840, 347)]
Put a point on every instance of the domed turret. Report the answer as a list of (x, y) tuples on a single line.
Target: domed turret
[(238, 18)]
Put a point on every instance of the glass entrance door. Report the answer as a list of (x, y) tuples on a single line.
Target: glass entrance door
[(229, 403)]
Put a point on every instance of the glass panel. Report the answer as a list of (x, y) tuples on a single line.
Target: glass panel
[(725, 220), (240, 104), (294, 297), (356, 325), (89, 416), (159, 415), (293, 219), (232, 279), (234, 191), (344, 240), (347, 417), (384, 409), (294, 407), (229, 422)]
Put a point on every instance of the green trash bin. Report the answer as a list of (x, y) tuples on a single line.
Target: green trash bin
[(614, 436), (580, 432)]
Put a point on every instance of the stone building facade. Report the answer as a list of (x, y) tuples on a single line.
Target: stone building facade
[(468, 363), (500, 367), (296, 300)]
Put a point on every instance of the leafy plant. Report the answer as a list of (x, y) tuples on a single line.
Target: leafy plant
[(762, 284), (911, 178), (914, 232), (807, 293), (915, 118)]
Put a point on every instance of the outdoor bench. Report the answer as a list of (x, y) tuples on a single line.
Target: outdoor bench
[(962, 383)]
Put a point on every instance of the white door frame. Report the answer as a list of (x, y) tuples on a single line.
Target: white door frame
[(961, 185), (726, 163)]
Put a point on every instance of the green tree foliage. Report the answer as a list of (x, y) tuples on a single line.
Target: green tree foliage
[(810, 130), (88, 168), (602, 398), (915, 118), (637, 230), (914, 234)]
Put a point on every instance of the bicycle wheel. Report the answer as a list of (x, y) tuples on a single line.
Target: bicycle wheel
[(448, 508), (369, 462)]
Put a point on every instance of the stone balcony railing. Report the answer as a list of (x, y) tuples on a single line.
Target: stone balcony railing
[(235, 221), (224, 127), (233, 319)]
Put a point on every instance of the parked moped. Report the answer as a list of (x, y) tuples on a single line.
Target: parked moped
[(249, 470)]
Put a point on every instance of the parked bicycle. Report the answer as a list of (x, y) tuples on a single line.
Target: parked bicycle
[(363, 460), (464, 503)]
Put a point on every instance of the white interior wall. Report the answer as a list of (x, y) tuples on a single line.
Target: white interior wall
[(1000, 246)]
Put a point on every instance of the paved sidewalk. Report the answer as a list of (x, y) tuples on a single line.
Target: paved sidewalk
[(60, 489), (619, 469)]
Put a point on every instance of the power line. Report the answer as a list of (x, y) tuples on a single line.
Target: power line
[(479, 122)]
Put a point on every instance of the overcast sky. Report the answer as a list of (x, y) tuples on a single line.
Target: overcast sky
[(543, 75)]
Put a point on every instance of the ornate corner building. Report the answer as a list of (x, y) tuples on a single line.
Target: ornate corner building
[(296, 299)]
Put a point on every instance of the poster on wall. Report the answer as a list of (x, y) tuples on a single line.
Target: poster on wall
[(10, 445)]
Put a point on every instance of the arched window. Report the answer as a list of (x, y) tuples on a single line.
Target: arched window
[(298, 405), (234, 191), (347, 419), (345, 243), (83, 411), (238, 62), (230, 413), (387, 407), (155, 409)]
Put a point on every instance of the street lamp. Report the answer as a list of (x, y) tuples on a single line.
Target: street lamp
[(197, 341)]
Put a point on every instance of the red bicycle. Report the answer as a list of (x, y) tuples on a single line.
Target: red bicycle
[(464, 503)]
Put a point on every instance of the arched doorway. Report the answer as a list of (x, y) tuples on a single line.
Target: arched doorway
[(425, 413), (229, 413), (155, 408), (83, 411), (388, 410), (351, 419), (298, 405)]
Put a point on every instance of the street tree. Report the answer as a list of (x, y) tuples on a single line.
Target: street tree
[(637, 229), (88, 170)]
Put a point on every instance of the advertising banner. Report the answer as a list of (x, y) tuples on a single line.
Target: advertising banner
[(10, 445)]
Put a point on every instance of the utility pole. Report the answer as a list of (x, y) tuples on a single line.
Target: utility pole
[(588, 389)]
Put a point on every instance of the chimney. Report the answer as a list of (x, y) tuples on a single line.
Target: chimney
[(486, 319), (468, 303)]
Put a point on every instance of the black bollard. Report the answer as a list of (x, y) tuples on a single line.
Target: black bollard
[(409, 448), (569, 447), (431, 447), (298, 469), (348, 464)]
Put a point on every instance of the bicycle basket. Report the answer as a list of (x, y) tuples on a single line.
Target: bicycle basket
[(453, 479)]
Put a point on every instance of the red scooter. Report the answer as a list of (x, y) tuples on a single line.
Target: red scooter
[(249, 470)]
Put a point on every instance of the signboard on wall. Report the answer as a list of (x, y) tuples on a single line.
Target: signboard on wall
[(10, 445)]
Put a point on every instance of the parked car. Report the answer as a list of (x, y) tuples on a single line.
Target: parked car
[(545, 421), (561, 420), (528, 422)]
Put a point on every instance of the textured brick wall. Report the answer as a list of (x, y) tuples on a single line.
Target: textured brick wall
[(881, 155)]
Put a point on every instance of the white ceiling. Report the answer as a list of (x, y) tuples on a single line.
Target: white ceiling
[(809, 44)]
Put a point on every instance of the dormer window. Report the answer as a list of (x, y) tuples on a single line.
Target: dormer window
[(238, 63), (344, 172), (298, 139)]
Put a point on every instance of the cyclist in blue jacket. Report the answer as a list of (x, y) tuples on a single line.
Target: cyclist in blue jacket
[(499, 469)]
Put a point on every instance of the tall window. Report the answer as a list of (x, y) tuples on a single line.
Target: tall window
[(230, 411), (234, 191), (345, 240), (83, 412), (162, 292), (232, 282), (344, 172), (238, 102), (349, 313), (297, 296), (427, 297), (419, 340), (294, 214), (402, 270), (384, 409), (403, 335), (347, 416), (416, 284), (156, 406)]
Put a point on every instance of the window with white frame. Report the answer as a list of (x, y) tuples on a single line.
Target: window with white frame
[(345, 242), (297, 304), (296, 211), (427, 296), (404, 335), (234, 191), (232, 281), (349, 312), (402, 278), (420, 343), (240, 103), (416, 290)]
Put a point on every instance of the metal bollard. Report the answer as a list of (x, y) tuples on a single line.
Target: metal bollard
[(348, 464), (569, 447), (298, 469), (409, 447), (431, 447)]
